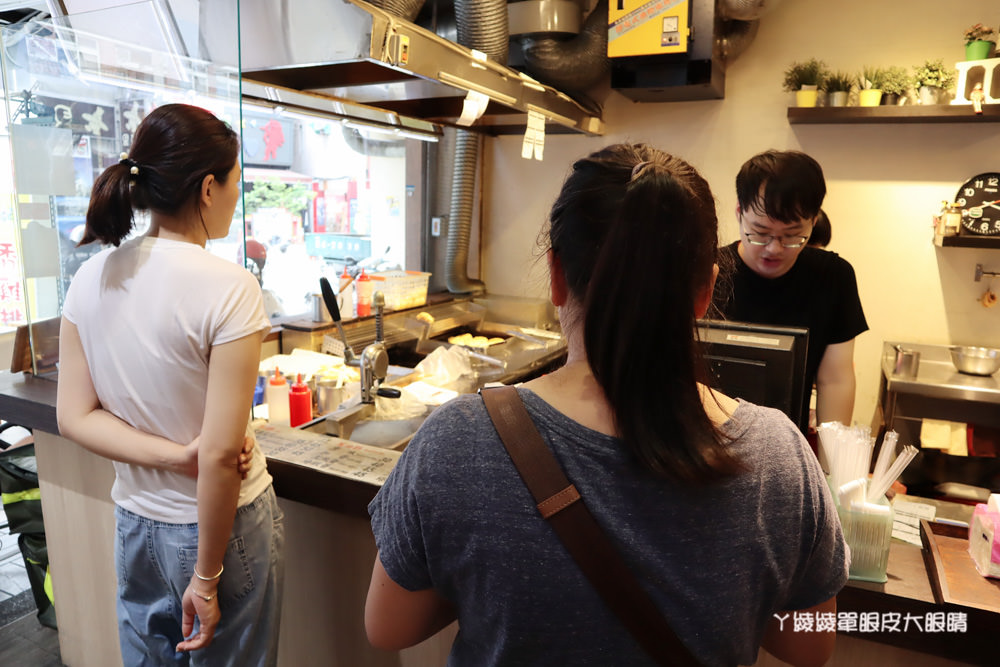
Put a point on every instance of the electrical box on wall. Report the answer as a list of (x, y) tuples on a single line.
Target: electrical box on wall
[(648, 27), (663, 50)]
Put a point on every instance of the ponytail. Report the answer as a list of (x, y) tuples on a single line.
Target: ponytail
[(110, 216), (637, 230)]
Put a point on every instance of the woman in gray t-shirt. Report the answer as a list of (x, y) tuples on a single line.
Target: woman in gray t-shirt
[(718, 506)]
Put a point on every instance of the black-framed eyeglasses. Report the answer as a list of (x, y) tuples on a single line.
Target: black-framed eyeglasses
[(791, 242), (785, 241)]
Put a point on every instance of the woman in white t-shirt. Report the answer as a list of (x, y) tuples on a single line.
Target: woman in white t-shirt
[(159, 345)]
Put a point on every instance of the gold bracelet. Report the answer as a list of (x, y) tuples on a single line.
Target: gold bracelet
[(206, 598), (219, 574)]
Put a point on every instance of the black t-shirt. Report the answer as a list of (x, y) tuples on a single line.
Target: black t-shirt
[(819, 292)]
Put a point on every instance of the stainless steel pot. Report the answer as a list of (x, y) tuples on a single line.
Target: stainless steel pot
[(975, 360), (907, 362)]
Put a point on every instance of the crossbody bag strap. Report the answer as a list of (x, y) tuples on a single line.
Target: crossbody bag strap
[(560, 504)]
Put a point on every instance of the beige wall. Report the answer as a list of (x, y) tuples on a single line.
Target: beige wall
[(884, 181)]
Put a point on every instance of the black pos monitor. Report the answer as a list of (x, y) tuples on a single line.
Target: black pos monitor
[(759, 363)]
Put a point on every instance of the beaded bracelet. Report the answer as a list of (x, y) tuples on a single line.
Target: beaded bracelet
[(206, 598), (219, 574)]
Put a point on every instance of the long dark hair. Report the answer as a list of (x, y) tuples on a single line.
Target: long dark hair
[(636, 234), (174, 148)]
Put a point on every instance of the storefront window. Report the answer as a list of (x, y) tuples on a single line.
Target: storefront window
[(325, 190), (11, 286), (73, 100), (320, 196)]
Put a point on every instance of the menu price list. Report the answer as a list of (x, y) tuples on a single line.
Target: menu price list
[(328, 454)]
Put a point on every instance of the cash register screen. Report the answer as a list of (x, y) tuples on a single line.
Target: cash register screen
[(759, 363)]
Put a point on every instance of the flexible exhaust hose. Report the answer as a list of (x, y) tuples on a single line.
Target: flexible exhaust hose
[(463, 187), (571, 65), (481, 25), (404, 9), (484, 25)]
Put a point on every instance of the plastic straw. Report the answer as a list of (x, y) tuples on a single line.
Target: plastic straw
[(885, 454), (879, 486), (847, 451)]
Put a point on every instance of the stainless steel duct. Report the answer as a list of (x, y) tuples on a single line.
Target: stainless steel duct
[(463, 188), (574, 64)]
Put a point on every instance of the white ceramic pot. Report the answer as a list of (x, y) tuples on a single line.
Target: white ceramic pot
[(929, 94)]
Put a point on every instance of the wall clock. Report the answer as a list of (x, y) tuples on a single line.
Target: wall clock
[(979, 199)]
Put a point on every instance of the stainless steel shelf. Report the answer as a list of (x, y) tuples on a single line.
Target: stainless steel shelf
[(937, 378)]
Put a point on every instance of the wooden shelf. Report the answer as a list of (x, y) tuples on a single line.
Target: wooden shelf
[(938, 113), (967, 241)]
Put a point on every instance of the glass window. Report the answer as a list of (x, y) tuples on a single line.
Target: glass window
[(320, 195), (73, 100)]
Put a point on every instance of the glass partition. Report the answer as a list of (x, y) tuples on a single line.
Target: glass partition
[(74, 94), (329, 185)]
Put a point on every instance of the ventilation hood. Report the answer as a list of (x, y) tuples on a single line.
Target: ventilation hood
[(350, 50)]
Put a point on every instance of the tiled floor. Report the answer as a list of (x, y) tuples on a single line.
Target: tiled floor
[(28, 643), (24, 642), (13, 577)]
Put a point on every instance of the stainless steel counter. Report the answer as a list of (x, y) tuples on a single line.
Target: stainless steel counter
[(937, 391), (936, 376)]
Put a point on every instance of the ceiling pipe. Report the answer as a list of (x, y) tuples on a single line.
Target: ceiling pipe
[(575, 64)]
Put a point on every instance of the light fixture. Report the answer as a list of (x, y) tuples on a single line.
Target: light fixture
[(410, 134)]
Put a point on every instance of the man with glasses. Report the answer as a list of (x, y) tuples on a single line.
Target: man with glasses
[(777, 279)]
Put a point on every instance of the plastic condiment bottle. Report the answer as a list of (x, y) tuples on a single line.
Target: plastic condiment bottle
[(365, 289), (299, 402), (276, 395), (346, 297)]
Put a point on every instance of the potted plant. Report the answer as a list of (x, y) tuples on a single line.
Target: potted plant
[(932, 80), (805, 79), (979, 42), (837, 87), (870, 86), (895, 82)]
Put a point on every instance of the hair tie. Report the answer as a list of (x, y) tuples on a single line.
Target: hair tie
[(637, 169), (132, 164)]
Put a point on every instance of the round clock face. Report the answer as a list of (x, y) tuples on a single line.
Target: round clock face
[(980, 202)]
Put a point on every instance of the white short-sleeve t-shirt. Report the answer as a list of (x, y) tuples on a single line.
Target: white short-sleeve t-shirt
[(148, 314)]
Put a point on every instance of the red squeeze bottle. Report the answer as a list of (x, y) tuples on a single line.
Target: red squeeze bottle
[(299, 402)]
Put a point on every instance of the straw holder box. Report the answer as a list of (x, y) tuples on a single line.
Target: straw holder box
[(868, 535)]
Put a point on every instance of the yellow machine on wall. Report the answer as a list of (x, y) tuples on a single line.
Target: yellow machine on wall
[(648, 27)]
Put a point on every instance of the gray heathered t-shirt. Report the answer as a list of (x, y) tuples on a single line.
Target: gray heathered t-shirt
[(719, 561)]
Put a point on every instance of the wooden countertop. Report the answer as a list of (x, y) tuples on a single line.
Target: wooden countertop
[(908, 597), (30, 401)]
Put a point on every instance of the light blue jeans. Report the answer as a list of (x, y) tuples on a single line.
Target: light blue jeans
[(155, 562)]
